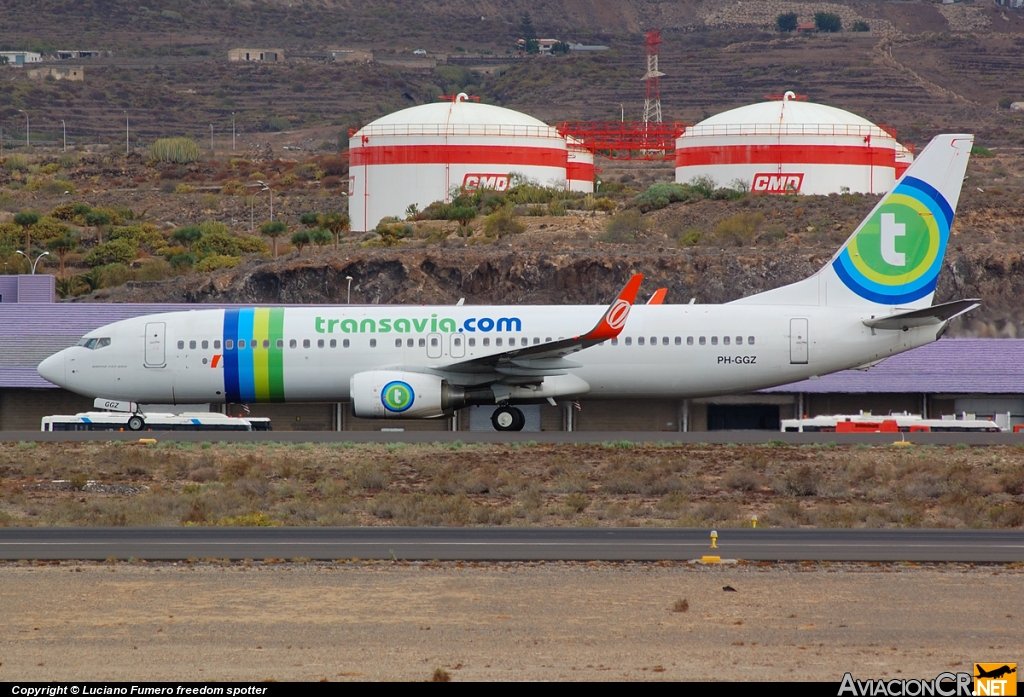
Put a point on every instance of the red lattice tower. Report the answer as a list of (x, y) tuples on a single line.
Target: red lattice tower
[(652, 99)]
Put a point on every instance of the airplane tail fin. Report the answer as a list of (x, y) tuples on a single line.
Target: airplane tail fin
[(894, 256)]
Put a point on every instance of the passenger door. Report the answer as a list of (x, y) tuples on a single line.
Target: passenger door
[(155, 354)]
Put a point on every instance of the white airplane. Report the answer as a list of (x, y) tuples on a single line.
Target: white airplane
[(873, 299)]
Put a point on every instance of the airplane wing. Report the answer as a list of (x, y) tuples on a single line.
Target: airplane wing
[(548, 358), (936, 314)]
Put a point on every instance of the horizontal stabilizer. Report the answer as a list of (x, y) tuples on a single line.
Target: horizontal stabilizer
[(936, 314)]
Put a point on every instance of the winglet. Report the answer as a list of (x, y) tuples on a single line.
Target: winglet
[(615, 317), (659, 297)]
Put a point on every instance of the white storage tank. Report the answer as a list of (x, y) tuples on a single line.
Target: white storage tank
[(422, 154), (579, 170), (791, 146)]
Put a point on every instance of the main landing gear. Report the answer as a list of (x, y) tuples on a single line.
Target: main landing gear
[(508, 419)]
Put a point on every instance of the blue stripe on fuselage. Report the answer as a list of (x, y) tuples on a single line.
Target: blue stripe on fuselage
[(231, 392), (246, 376)]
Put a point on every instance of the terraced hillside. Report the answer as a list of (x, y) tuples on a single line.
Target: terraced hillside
[(916, 70)]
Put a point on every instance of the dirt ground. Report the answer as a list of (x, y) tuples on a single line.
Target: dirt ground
[(397, 621)]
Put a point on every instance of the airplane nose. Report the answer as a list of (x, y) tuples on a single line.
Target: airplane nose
[(52, 369)]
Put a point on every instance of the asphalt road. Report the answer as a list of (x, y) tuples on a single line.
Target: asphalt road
[(741, 437), (511, 544)]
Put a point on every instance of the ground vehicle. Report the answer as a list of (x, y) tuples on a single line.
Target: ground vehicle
[(892, 423), (123, 421), (873, 299)]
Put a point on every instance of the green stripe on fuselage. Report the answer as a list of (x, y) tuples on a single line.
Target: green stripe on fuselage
[(275, 367)]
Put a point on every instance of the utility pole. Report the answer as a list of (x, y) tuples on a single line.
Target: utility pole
[(126, 133), (211, 137), (232, 130), (27, 128), (65, 127)]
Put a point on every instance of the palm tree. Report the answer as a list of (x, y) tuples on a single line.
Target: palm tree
[(337, 223), (273, 231), (97, 219), (62, 246), (26, 219), (320, 237), (300, 239)]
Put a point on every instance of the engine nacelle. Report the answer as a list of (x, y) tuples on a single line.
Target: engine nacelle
[(395, 394)]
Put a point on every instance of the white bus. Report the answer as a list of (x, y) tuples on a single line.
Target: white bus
[(125, 421)]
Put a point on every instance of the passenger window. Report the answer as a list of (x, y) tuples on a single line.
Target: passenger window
[(536, 340), (725, 340), (216, 343), (547, 339), (229, 344), (192, 344), (305, 343), (398, 343), (334, 343), (320, 343), (487, 341), (266, 343), (523, 341), (714, 341), (345, 343), (664, 341), (679, 341), (750, 340), (497, 342), (654, 341), (373, 343), (702, 341), (639, 341), (422, 343), (472, 341), (292, 343), (739, 341), (615, 342), (629, 341), (206, 344), (280, 343), (409, 343), (181, 344), (241, 343)]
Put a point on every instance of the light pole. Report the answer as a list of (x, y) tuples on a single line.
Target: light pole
[(44, 254), (267, 188), (348, 299), (65, 127), (622, 114), (27, 128), (125, 132), (232, 130), (211, 137)]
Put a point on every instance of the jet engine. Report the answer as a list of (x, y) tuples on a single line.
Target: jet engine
[(398, 394)]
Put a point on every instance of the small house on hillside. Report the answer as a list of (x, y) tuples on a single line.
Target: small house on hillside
[(259, 55)]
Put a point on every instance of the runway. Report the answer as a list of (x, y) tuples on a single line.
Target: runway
[(511, 544), (523, 437)]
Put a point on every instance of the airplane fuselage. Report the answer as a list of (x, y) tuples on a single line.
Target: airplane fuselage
[(310, 354)]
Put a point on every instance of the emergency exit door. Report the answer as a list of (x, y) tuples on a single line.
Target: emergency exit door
[(798, 340), (155, 344)]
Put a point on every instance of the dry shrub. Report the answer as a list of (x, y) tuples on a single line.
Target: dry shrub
[(786, 514), (203, 474), (743, 480), (441, 675), (681, 605), (370, 477), (1012, 482), (803, 481)]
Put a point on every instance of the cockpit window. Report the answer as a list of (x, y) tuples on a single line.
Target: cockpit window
[(93, 343)]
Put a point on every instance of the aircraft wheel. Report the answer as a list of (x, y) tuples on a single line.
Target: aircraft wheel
[(508, 419), (136, 423)]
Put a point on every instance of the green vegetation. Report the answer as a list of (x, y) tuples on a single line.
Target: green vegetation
[(860, 26), (827, 22), (177, 150), (273, 230), (786, 22)]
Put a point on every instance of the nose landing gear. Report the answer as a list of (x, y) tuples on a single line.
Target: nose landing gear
[(507, 418)]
